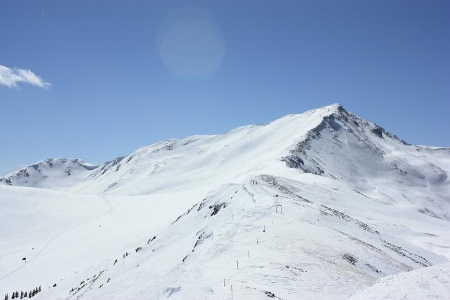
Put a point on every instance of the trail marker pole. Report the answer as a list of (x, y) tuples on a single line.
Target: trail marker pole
[(281, 208)]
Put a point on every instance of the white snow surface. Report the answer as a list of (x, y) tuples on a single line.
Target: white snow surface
[(425, 283), (321, 205)]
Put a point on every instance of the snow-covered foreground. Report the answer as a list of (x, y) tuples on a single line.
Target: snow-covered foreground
[(321, 205), (425, 283)]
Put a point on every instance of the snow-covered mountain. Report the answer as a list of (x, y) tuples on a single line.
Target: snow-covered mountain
[(50, 173), (319, 205)]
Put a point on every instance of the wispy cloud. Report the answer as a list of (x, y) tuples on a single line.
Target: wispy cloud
[(11, 77)]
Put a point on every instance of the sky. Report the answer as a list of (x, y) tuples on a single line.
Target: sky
[(98, 79)]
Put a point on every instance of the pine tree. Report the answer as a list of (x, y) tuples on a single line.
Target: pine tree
[(21, 294), (39, 289), (6, 297), (13, 296)]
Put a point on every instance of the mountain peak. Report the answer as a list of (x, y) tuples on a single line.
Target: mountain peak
[(327, 141), (329, 109), (44, 173), (325, 179), (334, 107)]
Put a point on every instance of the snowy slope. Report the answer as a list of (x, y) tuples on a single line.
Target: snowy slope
[(201, 160), (200, 217), (313, 250), (425, 283), (61, 233)]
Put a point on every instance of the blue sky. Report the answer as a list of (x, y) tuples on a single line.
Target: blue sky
[(98, 79)]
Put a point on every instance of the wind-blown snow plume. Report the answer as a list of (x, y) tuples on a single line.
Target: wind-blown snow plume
[(10, 77)]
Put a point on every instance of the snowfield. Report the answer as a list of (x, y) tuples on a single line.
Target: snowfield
[(425, 283), (321, 205)]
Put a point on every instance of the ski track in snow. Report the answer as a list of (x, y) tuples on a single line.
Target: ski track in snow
[(108, 213), (111, 210)]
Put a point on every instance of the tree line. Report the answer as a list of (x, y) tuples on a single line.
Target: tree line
[(22, 294)]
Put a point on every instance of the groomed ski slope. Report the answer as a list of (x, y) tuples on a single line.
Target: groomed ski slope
[(200, 217)]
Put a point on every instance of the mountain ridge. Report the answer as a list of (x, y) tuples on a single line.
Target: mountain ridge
[(319, 205), (332, 121), (17, 178)]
